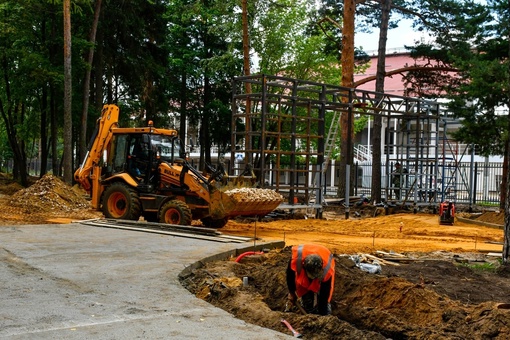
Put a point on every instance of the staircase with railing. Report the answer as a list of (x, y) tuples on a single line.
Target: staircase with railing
[(362, 153)]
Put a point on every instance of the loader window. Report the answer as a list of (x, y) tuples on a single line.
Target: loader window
[(119, 154), (167, 147)]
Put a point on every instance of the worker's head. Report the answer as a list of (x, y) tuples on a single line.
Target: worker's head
[(313, 266), (397, 165)]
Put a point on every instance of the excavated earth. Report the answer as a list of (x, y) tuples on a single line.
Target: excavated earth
[(435, 281), (46, 200)]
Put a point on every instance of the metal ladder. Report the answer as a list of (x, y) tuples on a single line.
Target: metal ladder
[(330, 140), (329, 145)]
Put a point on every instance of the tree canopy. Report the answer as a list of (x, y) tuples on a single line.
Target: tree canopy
[(171, 62)]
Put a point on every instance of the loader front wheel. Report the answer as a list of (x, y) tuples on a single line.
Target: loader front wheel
[(121, 202), (175, 212)]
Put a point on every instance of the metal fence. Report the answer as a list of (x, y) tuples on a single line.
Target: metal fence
[(473, 183), (463, 182)]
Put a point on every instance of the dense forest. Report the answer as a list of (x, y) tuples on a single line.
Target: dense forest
[(171, 61)]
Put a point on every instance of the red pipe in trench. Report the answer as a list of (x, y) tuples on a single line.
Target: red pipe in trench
[(248, 253)]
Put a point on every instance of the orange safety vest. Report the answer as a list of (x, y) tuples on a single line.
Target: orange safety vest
[(303, 283)]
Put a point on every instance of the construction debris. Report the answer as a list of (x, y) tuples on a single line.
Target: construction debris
[(370, 263)]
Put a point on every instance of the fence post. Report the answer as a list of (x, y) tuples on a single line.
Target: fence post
[(471, 175), (356, 179), (475, 183)]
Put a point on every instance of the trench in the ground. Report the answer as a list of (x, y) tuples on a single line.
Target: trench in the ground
[(364, 305)]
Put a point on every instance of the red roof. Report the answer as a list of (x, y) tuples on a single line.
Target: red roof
[(392, 85)]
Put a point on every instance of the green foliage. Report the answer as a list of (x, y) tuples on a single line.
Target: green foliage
[(487, 204), (288, 42), (178, 56), (360, 123), (482, 267), (475, 43), (26, 72)]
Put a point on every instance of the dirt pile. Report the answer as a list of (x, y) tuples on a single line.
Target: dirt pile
[(48, 194), (47, 199), (495, 217), (429, 299)]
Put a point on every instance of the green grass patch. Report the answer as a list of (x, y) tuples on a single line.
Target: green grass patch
[(488, 204), (481, 267)]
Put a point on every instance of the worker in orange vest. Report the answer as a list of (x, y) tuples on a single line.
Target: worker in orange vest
[(311, 278)]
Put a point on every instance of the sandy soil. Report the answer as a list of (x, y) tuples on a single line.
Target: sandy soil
[(436, 295), (436, 281), (402, 232)]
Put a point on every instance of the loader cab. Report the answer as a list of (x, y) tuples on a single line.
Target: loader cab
[(130, 153), (139, 154)]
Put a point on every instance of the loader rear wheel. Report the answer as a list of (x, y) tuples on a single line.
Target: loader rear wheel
[(121, 202), (212, 223), (175, 212)]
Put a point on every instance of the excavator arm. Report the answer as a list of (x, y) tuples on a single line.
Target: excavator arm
[(183, 175), (87, 174)]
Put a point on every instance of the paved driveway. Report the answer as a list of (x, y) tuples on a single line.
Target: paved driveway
[(80, 282)]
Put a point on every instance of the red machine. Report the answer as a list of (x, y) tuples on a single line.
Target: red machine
[(447, 213)]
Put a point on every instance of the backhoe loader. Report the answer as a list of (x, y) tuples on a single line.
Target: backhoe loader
[(134, 172)]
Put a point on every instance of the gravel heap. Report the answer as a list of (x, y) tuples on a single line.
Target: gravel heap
[(49, 194), (254, 195)]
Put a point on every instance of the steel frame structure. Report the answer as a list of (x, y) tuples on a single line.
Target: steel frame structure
[(286, 130)]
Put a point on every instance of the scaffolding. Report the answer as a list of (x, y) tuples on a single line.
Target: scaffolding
[(286, 131)]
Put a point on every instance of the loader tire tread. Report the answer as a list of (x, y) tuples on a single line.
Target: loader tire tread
[(121, 202), (175, 212)]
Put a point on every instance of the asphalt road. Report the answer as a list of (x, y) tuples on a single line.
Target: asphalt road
[(74, 281)]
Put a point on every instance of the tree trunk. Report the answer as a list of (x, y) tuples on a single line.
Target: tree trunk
[(183, 106), (205, 140), (246, 40), (68, 117), (43, 145), (379, 87), (20, 160), (148, 99), (12, 117), (247, 72), (86, 84), (12, 114), (43, 152), (53, 51), (98, 71), (54, 133), (347, 121), (506, 242)]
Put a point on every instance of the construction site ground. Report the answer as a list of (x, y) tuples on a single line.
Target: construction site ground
[(435, 281)]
